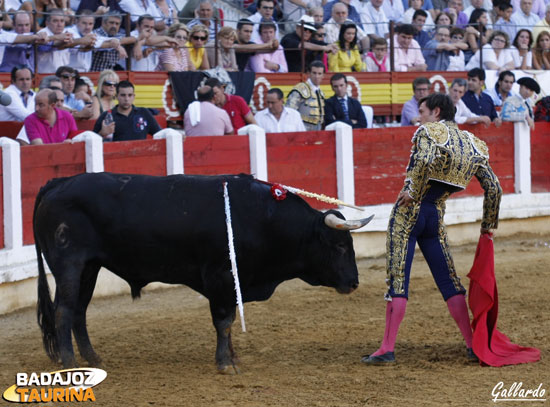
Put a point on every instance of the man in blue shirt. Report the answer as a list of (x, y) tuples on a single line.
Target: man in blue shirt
[(79, 109), (478, 102)]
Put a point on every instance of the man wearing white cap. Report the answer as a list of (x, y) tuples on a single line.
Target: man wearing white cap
[(292, 43)]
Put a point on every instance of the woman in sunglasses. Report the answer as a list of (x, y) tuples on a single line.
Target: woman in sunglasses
[(105, 96), (197, 40), (176, 59)]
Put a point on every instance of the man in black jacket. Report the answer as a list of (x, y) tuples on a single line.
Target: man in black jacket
[(343, 108)]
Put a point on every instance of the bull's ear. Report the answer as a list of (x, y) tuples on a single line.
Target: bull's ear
[(334, 222)]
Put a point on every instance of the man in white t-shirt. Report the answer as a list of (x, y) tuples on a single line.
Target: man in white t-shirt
[(278, 118), (22, 96)]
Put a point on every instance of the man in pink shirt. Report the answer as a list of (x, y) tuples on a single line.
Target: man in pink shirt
[(268, 62), (49, 124), (408, 56), (204, 118)]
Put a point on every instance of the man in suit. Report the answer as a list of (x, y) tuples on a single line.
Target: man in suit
[(343, 108)]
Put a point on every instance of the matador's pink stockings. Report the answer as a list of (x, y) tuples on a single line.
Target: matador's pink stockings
[(459, 311), (395, 311)]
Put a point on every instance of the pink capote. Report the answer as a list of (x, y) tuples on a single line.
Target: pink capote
[(492, 347)]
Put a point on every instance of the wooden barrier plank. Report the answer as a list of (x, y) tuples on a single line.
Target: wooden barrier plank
[(304, 160), (540, 158), (216, 155), (135, 157), (40, 164)]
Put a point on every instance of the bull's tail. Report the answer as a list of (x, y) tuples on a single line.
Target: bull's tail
[(45, 310)]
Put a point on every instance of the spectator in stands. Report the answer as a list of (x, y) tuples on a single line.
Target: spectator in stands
[(81, 56), (130, 122), (244, 48), (353, 15), (343, 108), (21, 53), (478, 5), (320, 36), (264, 14), (139, 8), (421, 35), (317, 13), (109, 58), (48, 124), (42, 8), (105, 95), (308, 99), (84, 85), (273, 62), (190, 10), (333, 26), (144, 55), (464, 115), (235, 106), (167, 11), (520, 107), (414, 6), (476, 100), (50, 81), (521, 50), (292, 43), (378, 59), (438, 52), (394, 9), (409, 113), (68, 76), (497, 54), (197, 40), (22, 96), (277, 118), (226, 54), (503, 88), (374, 20), (457, 61), (347, 58), (408, 56), (541, 59), (176, 59), (524, 17), (99, 8), (456, 9), (206, 13), (204, 118), (477, 33), (542, 25), (504, 22)]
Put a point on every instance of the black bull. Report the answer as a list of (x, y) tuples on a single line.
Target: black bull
[(173, 230)]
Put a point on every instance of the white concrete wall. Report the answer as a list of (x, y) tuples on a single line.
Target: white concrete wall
[(522, 211)]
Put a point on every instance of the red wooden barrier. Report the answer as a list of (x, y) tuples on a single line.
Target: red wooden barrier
[(40, 164), (381, 156), (135, 157), (304, 160), (540, 158), (216, 155)]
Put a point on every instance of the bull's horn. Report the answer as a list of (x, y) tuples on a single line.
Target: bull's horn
[(334, 222)]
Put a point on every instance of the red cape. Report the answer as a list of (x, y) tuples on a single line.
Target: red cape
[(492, 347)]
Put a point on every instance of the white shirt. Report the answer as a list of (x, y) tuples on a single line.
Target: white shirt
[(518, 59), (256, 18), (136, 9), (49, 61), (468, 12), (463, 113), (16, 110), (407, 17), (393, 9), (374, 22), (6, 37), (332, 31), (146, 64), (82, 60), (522, 20), (290, 121), (490, 56)]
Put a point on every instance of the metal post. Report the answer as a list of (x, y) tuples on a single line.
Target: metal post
[(303, 50), (392, 47), (128, 28), (216, 46)]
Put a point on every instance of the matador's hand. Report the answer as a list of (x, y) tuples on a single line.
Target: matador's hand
[(404, 199)]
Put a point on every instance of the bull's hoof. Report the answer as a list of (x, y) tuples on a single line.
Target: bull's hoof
[(229, 370)]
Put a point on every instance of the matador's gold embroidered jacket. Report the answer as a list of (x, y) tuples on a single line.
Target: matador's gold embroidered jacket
[(311, 105), (443, 153)]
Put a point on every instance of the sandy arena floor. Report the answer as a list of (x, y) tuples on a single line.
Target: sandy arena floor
[(303, 346)]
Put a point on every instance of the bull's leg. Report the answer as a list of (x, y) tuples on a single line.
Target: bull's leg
[(226, 358), (87, 285)]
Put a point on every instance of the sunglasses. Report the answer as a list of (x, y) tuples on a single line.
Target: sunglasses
[(267, 8), (68, 76), (197, 38), (107, 83)]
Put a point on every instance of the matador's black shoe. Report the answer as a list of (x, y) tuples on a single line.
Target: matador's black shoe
[(385, 359), (472, 357)]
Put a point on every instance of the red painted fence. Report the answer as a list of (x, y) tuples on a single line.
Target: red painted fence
[(540, 158)]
